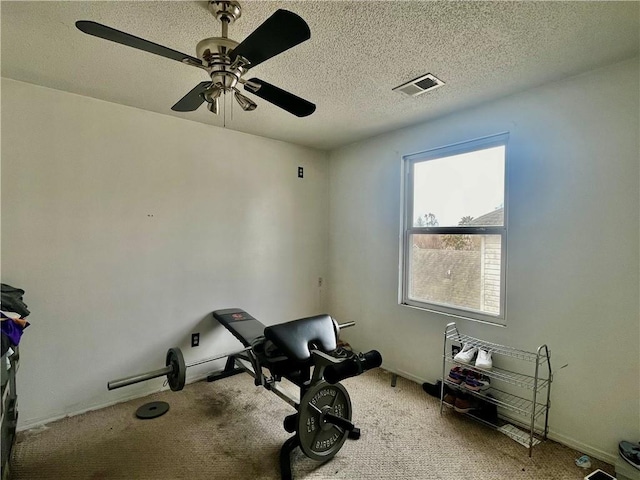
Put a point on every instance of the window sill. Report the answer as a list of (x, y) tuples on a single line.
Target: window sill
[(493, 322)]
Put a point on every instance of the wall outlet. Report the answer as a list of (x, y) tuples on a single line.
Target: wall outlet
[(300, 172), (195, 339)]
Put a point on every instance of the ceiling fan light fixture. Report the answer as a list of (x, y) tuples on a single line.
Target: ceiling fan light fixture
[(245, 103), (214, 105), (212, 94)]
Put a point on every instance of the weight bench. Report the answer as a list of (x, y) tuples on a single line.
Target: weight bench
[(283, 349), (304, 352)]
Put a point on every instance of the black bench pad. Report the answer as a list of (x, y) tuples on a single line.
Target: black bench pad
[(294, 337), (242, 325)]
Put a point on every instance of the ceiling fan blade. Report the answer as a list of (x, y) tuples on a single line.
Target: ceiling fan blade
[(192, 100), (108, 33), (278, 33), (281, 98)]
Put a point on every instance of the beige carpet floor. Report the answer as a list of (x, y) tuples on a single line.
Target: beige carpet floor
[(231, 429)]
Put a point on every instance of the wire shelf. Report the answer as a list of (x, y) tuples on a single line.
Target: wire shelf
[(520, 436), (513, 378), (505, 400), (494, 348)]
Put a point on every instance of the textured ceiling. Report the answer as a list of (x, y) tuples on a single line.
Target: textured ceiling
[(359, 51)]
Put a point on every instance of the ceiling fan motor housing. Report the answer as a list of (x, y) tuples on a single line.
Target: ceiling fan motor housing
[(214, 53)]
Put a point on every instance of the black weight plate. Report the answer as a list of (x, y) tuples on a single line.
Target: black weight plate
[(152, 410), (321, 440), (178, 376)]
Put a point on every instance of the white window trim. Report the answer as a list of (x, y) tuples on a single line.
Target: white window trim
[(407, 228)]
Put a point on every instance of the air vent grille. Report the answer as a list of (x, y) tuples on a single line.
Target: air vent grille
[(420, 85)]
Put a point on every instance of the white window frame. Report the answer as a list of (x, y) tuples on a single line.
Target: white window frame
[(407, 228)]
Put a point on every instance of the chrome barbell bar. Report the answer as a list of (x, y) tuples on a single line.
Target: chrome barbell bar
[(168, 370), (142, 377)]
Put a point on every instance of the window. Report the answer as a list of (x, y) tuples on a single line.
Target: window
[(454, 229)]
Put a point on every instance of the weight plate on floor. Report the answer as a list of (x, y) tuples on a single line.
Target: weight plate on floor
[(178, 375), (152, 410), (319, 439)]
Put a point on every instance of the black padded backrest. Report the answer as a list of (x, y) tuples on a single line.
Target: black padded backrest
[(294, 337), (242, 325)]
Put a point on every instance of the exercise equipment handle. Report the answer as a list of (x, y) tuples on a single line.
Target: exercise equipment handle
[(353, 366), (343, 423)]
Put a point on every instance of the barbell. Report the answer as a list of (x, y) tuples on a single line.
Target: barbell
[(176, 370)]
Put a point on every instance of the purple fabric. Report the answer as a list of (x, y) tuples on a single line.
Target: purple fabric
[(12, 330)]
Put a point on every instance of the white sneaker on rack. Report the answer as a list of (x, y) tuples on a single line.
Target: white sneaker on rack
[(466, 354), (484, 360)]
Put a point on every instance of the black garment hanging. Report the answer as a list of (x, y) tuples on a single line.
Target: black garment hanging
[(11, 300)]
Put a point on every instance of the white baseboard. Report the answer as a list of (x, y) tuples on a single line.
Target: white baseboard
[(582, 447), (403, 374)]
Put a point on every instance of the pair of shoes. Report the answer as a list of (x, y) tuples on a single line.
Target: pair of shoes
[(630, 452), (465, 405), (468, 352), (450, 396), (449, 400), (458, 375), (476, 382)]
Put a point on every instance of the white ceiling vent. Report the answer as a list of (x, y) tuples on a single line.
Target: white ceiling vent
[(420, 85)]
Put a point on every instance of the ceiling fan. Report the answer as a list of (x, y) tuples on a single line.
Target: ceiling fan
[(226, 61)]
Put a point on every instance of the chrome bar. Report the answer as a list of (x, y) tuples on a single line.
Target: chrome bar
[(217, 357), (549, 380), (284, 395), (141, 377), (533, 409)]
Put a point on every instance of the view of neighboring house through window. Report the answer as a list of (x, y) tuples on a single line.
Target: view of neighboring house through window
[(454, 229)]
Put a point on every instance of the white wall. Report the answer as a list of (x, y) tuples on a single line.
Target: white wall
[(127, 228), (573, 261)]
